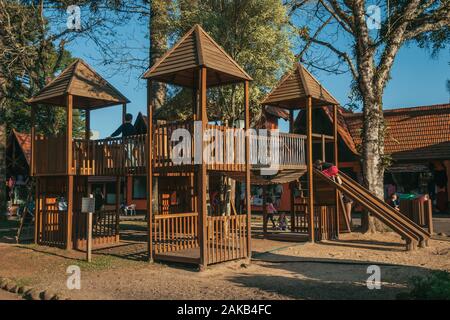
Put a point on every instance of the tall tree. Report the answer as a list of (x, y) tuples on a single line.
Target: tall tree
[(366, 37), (32, 51), (246, 29)]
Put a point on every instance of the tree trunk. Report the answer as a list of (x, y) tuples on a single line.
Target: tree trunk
[(372, 158), (158, 46)]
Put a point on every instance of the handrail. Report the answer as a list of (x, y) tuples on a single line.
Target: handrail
[(174, 215)]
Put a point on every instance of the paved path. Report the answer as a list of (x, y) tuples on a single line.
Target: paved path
[(5, 295)]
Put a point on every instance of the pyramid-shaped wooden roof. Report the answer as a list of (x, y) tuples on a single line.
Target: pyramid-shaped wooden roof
[(295, 87), (89, 89), (196, 48)]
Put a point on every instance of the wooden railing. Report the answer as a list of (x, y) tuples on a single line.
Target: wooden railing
[(174, 232), (292, 149), (122, 156), (227, 238), (163, 146), (114, 156), (281, 150), (52, 227), (105, 228)]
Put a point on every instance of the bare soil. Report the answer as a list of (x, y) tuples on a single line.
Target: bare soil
[(279, 270)]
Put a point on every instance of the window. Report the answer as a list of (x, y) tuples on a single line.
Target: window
[(111, 193), (139, 188)]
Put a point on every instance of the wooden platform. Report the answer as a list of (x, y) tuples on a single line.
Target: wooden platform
[(189, 256), (287, 236)]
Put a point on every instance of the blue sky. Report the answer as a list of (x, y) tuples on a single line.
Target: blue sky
[(416, 79)]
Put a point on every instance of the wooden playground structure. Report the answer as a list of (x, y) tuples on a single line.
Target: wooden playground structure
[(190, 232)]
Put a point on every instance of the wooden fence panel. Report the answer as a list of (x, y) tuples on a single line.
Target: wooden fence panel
[(227, 238), (175, 232)]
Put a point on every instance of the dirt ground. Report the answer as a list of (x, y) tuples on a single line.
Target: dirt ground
[(279, 270)]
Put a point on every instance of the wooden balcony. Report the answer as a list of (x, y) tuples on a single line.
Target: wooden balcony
[(125, 156)]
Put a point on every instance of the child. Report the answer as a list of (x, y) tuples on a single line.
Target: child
[(282, 221), (270, 212), (328, 169), (394, 202)]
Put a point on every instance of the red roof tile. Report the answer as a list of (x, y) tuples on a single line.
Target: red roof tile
[(412, 133)]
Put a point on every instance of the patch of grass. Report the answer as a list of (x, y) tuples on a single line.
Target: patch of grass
[(435, 286), (99, 263)]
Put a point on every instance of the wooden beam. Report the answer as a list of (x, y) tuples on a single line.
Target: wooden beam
[(202, 177), (37, 213), (324, 156), (118, 189), (87, 128), (291, 185), (319, 136), (247, 168), (148, 151), (124, 112), (309, 164), (69, 172)]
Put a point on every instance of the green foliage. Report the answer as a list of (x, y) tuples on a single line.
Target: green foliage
[(29, 60), (255, 33), (435, 286)]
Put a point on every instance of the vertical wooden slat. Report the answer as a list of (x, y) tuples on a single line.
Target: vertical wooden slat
[(310, 169), (247, 166), (69, 112)]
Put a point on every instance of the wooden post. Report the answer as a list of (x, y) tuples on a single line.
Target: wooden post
[(202, 183), (247, 168), (336, 162), (37, 201), (32, 171), (309, 164), (87, 130), (118, 185), (149, 170), (89, 236), (292, 185), (33, 137), (324, 157), (69, 113), (124, 112)]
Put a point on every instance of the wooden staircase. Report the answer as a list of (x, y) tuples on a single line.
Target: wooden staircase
[(412, 233)]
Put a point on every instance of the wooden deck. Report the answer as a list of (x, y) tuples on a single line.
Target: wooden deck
[(127, 156)]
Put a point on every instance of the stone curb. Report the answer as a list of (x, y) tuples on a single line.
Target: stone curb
[(28, 293)]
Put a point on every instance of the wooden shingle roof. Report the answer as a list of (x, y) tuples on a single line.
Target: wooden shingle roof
[(89, 89), (277, 112), (412, 133), (295, 87), (196, 48)]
